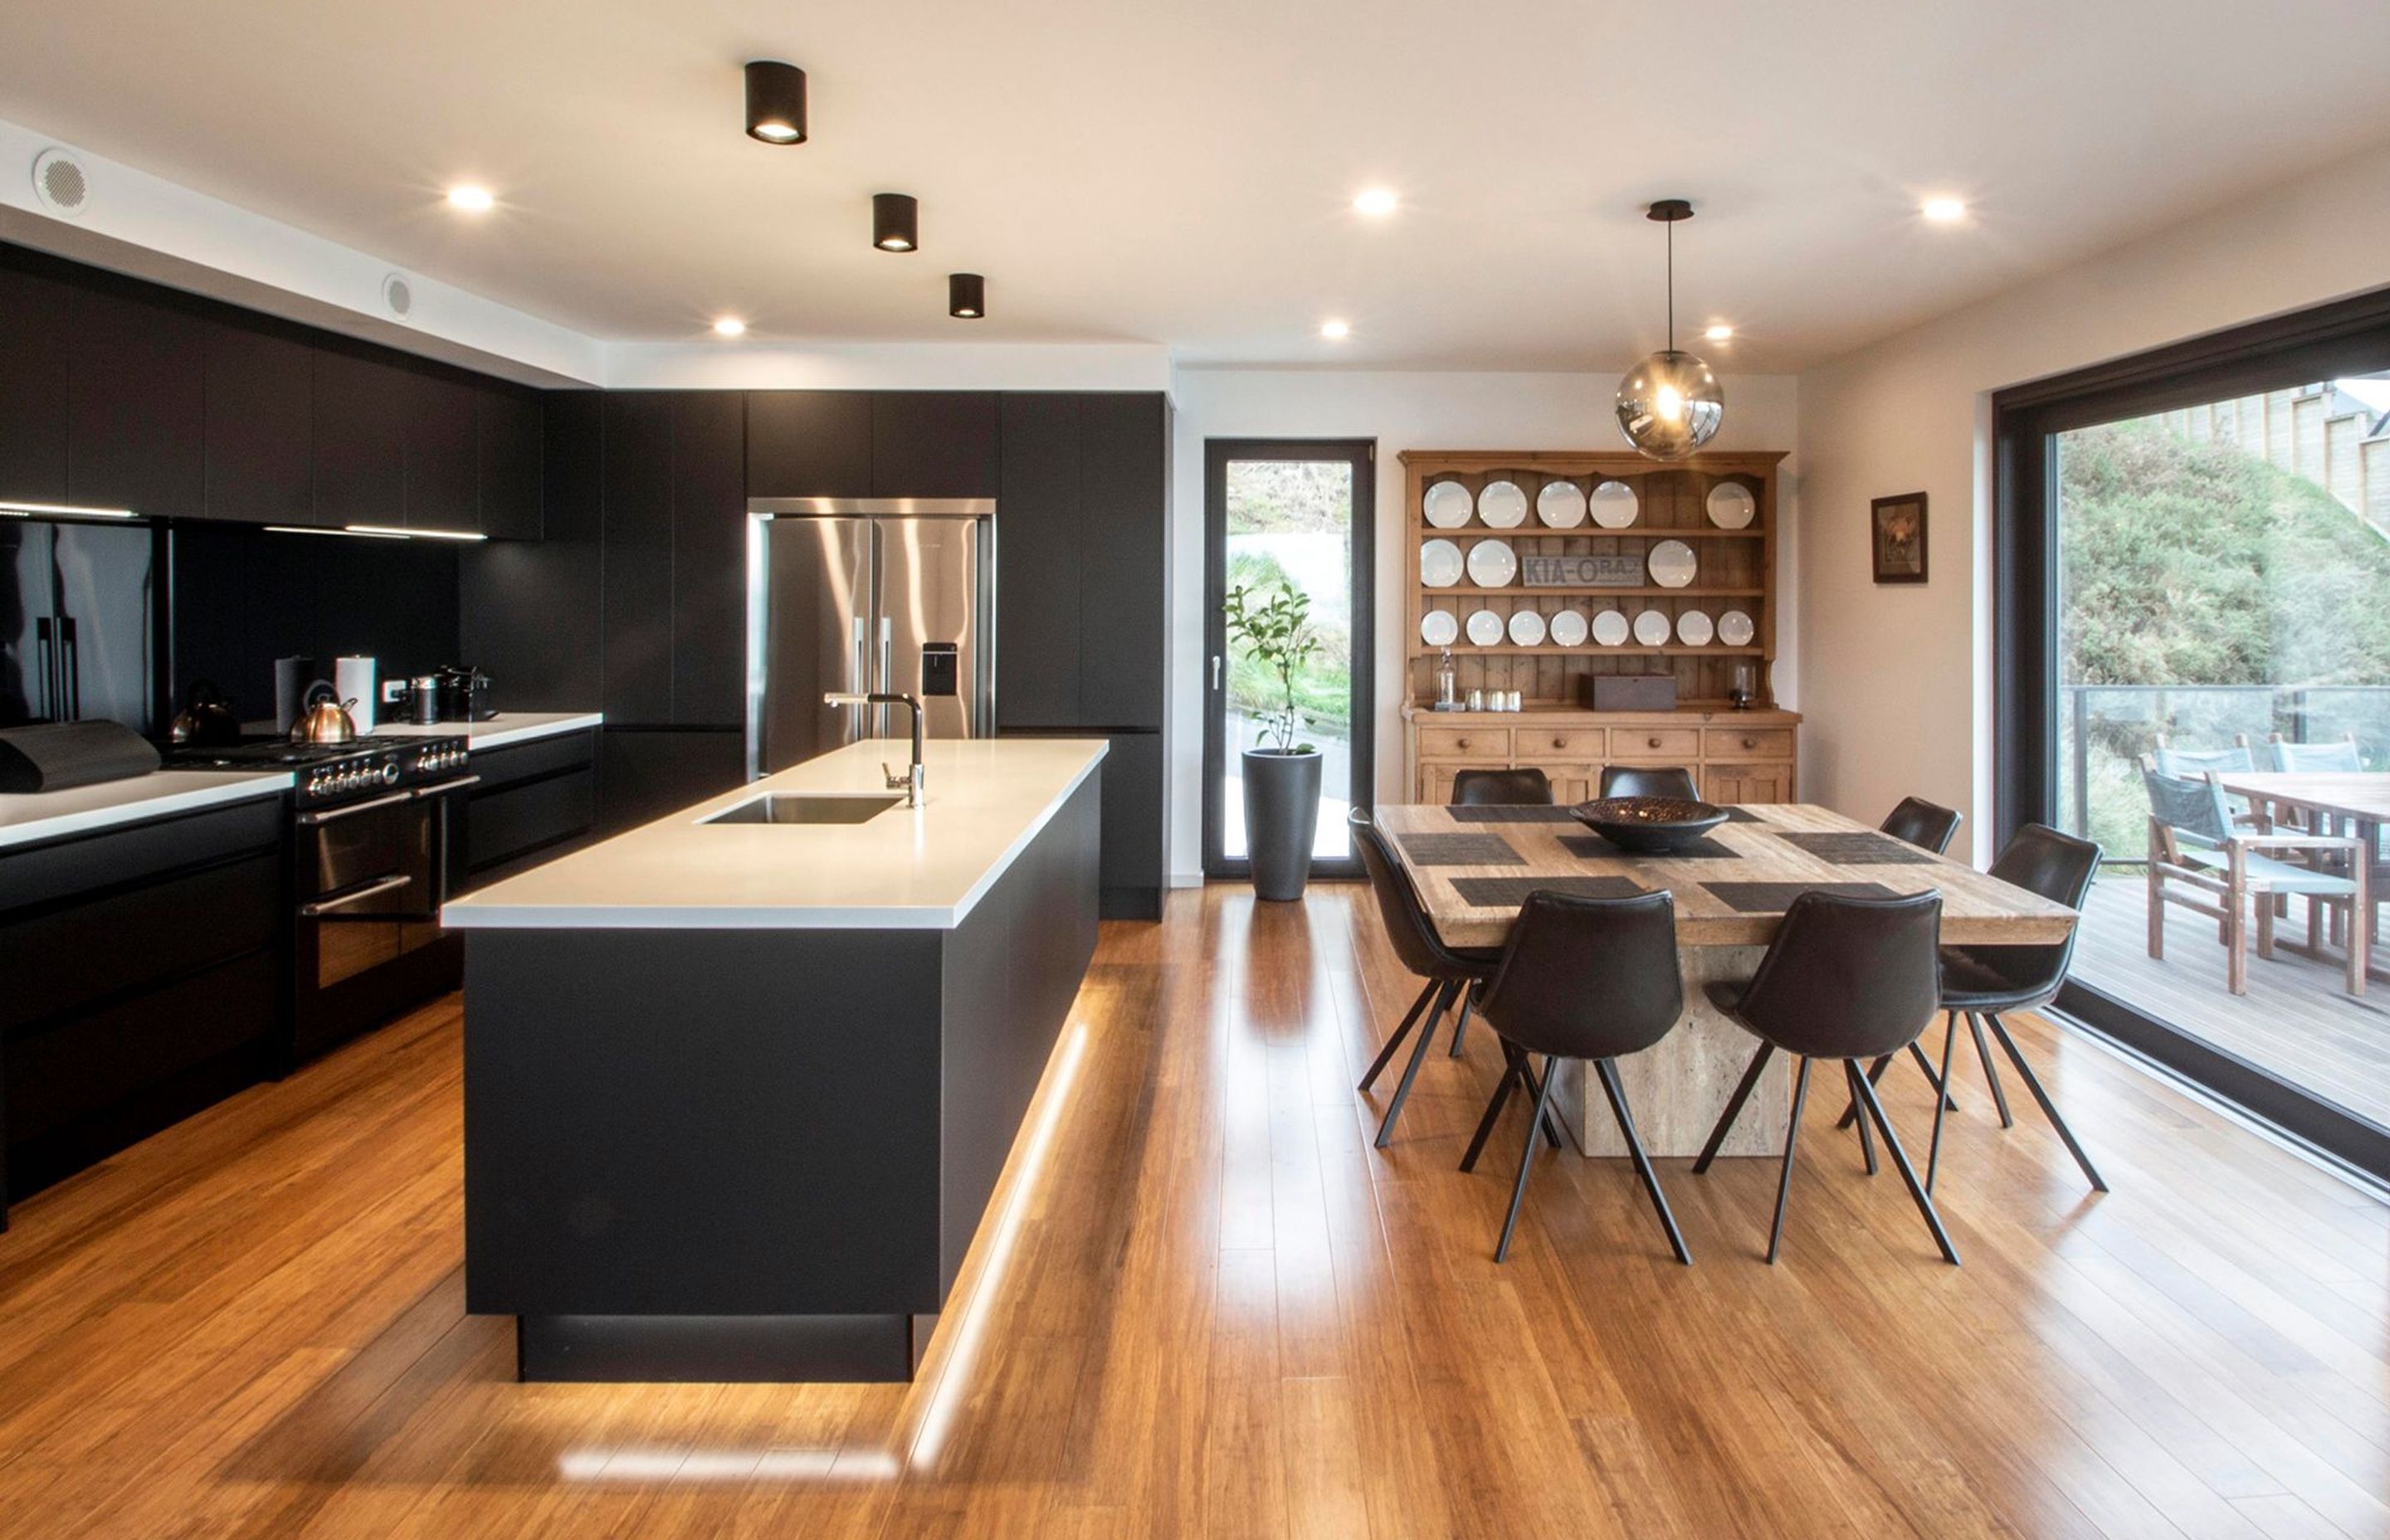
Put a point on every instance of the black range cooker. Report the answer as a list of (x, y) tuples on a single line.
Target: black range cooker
[(376, 846)]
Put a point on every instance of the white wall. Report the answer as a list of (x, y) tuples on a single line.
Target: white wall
[(1897, 689), (1407, 410)]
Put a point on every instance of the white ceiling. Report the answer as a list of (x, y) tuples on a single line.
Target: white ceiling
[(1180, 172)]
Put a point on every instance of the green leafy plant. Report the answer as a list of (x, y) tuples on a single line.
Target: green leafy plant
[(1275, 630)]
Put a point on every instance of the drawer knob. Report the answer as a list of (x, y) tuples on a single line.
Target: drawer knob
[(1750, 743), (1460, 742), (1559, 743), (1654, 743)]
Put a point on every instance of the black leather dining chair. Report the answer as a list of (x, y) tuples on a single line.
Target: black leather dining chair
[(1928, 825), (1649, 781), (1984, 982), (1450, 972), (1525, 787), (1594, 978), (1846, 978)]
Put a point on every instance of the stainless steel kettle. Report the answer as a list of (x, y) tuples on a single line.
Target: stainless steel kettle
[(324, 719)]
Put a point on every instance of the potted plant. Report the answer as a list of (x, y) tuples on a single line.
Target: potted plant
[(1281, 782)]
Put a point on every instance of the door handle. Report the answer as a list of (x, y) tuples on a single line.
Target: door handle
[(1215, 671)]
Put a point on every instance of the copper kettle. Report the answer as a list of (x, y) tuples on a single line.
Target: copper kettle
[(325, 718)]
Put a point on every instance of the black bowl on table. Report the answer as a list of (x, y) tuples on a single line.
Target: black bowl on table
[(1650, 825)]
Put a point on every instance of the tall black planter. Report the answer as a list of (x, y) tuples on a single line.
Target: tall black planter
[(1282, 818)]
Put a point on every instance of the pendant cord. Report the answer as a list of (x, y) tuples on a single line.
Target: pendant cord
[(1672, 286)]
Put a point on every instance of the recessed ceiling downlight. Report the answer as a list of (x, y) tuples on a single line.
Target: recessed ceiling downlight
[(471, 197), (1944, 210), (60, 183), (730, 326)]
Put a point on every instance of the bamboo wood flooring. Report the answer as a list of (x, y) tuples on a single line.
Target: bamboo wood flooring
[(1206, 1306)]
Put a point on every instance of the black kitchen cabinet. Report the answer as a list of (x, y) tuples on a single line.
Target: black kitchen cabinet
[(136, 404), (643, 773), (1134, 816), (536, 802), (360, 438), (510, 427), (443, 467), (809, 444), (636, 614), (709, 564), (1037, 538), (260, 424), (933, 444), (530, 609), (36, 318), (1123, 501)]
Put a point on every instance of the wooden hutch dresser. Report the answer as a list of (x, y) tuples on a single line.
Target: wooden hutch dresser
[(1738, 755)]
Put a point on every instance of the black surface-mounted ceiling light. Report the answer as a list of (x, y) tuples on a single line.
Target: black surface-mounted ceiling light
[(895, 221), (776, 102), (966, 296)]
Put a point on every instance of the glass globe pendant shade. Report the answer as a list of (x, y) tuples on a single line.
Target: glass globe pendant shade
[(1670, 405)]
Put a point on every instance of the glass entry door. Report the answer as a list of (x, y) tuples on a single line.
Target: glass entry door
[(1294, 518)]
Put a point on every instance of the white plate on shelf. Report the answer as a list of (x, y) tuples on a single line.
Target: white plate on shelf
[(1651, 628), (1560, 505), (1568, 628), (1447, 504), (1485, 628), (1732, 507), (1615, 504), (1735, 629), (1437, 628), (1502, 505), (1693, 628), (1609, 628), (1492, 564), (1672, 564), (1527, 629), (1439, 563)]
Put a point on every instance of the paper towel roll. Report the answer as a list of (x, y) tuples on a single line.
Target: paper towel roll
[(354, 677)]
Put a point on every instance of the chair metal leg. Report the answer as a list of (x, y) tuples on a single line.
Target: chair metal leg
[(1527, 1158), (1461, 1030), (1991, 1075), (1412, 1070), (1939, 1082), (1875, 1077), (1792, 1141), (1934, 1154), (1534, 1088), (1609, 1072), (1909, 1175), (1867, 1140), (1734, 1106), (2049, 1108), (1385, 1053), (1513, 1067)]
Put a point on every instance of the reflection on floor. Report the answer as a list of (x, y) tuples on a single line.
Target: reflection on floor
[(2298, 1019), (1208, 1307)]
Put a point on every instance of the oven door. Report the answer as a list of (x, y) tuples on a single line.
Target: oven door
[(371, 878)]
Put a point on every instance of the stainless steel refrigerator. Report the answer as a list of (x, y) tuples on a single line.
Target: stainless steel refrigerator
[(76, 618), (862, 595)]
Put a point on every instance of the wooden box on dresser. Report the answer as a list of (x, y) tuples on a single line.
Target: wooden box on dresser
[(1738, 755)]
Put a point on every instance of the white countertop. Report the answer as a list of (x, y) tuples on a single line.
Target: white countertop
[(908, 868), (500, 730), (47, 814)]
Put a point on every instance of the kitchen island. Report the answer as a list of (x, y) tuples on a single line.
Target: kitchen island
[(737, 1092)]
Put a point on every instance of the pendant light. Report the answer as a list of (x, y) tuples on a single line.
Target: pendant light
[(1670, 405), (895, 221), (966, 296), (776, 102)]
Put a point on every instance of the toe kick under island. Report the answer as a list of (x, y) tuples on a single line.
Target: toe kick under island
[(737, 1091)]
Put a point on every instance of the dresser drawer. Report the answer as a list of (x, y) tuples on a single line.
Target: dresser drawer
[(1728, 783), (1487, 746), (1655, 745), (1747, 743), (1542, 744)]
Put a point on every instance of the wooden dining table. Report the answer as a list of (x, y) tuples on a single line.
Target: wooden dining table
[(2355, 802), (1473, 867)]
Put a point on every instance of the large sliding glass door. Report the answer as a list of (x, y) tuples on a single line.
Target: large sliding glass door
[(2194, 592), (1287, 517)]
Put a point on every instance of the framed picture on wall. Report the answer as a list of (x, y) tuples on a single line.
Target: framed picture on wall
[(1896, 533)]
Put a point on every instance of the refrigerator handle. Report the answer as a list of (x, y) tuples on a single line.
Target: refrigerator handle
[(887, 673), (47, 706), (862, 684), (69, 670)]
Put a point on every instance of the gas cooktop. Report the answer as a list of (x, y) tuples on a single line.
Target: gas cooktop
[(336, 772), (280, 753)]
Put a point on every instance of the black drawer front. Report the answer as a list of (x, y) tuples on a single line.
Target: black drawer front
[(95, 1062), (42, 874), (66, 958), (522, 762), (503, 825)]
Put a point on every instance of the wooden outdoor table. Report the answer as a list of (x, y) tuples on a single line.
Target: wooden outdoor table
[(1474, 867)]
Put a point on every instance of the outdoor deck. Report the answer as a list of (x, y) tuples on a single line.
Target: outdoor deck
[(2296, 1020)]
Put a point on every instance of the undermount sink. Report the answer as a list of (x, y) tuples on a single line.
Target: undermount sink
[(806, 807)]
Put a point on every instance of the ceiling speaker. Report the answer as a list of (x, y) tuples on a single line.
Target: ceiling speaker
[(60, 182), (398, 293)]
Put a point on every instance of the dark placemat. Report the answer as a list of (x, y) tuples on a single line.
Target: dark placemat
[(1845, 849), (1508, 892), (1742, 815), (1594, 847), (1530, 814), (1460, 850), (1774, 898)]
